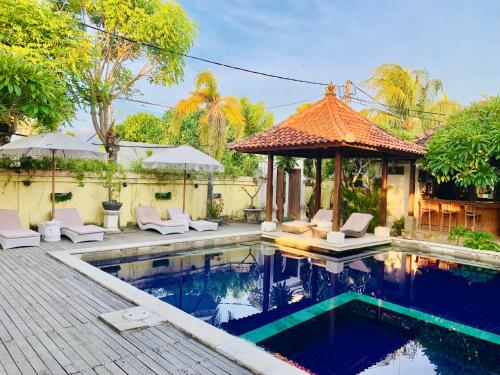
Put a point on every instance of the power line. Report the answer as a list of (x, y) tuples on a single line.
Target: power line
[(213, 62), (388, 106), (144, 102), (294, 103), (367, 103)]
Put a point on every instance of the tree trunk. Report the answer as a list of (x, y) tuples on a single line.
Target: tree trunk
[(210, 191), (6, 131)]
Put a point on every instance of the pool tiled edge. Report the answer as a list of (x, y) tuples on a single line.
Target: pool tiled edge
[(236, 349)]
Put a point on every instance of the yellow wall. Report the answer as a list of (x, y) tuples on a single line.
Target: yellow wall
[(33, 202)]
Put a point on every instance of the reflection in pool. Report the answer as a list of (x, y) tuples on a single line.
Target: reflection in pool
[(377, 312)]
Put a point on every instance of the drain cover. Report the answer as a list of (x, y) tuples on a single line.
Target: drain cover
[(137, 315), (132, 319)]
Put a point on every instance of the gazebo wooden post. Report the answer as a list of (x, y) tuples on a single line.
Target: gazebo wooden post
[(383, 193), (269, 188), (317, 186), (411, 196), (337, 195)]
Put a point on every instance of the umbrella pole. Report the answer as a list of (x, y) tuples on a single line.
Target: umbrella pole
[(184, 193), (53, 213)]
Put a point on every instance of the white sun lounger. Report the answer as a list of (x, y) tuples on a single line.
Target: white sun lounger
[(72, 226), (323, 217), (199, 225), (356, 225), (148, 218), (12, 233)]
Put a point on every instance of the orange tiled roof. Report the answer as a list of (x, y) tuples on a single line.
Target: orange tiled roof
[(327, 123)]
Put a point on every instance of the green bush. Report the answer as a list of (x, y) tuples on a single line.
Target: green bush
[(363, 200)]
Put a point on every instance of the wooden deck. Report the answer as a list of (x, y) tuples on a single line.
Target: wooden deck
[(49, 322)]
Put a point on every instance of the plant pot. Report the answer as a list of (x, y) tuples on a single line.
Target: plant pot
[(112, 205), (253, 214)]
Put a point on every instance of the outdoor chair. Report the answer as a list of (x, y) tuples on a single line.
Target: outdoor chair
[(448, 210), (148, 218), (322, 217), (199, 225), (356, 225), (12, 234), (470, 214), (425, 209), (72, 226)]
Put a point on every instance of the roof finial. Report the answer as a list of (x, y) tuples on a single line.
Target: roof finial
[(330, 89)]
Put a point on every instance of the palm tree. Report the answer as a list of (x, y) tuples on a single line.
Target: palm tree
[(411, 100), (221, 114)]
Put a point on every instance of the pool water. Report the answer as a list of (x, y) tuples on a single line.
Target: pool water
[(375, 312)]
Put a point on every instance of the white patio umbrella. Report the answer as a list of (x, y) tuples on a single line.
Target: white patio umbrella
[(184, 158), (54, 145)]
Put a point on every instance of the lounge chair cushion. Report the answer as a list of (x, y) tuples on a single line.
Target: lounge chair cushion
[(18, 233), (357, 222), (69, 217), (147, 215), (296, 227), (322, 216), (9, 220), (167, 223), (84, 229)]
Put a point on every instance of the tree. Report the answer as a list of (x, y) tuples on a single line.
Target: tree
[(39, 44), (30, 92), (221, 114), (255, 116), (108, 74), (303, 106), (405, 95), (467, 149), (143, 127), (42, 32)]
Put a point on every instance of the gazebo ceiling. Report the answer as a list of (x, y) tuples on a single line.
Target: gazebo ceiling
[(327, 126)]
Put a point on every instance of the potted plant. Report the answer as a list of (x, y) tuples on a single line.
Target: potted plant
[(215, 207), (110, 178), (398, 225), (252, 213)]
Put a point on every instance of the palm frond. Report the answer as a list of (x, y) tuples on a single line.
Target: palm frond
[(206, 80), (232, 111), (184, 108)]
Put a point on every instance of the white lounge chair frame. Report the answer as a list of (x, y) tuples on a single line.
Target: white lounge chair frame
[(161, 226), (9, 220), (70, 219), (199, 225)]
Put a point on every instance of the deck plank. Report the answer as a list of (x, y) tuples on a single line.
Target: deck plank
[(49, 323)]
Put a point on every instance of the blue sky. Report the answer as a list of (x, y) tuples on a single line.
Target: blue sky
[(456, 41)]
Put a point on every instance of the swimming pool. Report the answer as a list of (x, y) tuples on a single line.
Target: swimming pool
[(371, 312)]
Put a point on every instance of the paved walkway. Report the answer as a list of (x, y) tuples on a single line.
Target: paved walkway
[(49, 322)]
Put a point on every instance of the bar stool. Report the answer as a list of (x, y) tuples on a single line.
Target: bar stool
[(470, 213), (425, 209), (447, 209)]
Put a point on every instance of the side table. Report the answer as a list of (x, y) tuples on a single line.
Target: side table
[(50, 230)]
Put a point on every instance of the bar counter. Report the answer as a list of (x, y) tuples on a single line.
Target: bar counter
[(488, 211)]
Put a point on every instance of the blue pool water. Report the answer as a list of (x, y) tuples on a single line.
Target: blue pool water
[(376, 312)]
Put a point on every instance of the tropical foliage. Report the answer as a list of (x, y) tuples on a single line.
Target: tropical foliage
[(42, 32), (467, 149), (107, 74), (143, 127), (29, 91), (408, 97), (220, 118)]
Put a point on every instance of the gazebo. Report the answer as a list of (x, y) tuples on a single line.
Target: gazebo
[(331, 129)]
